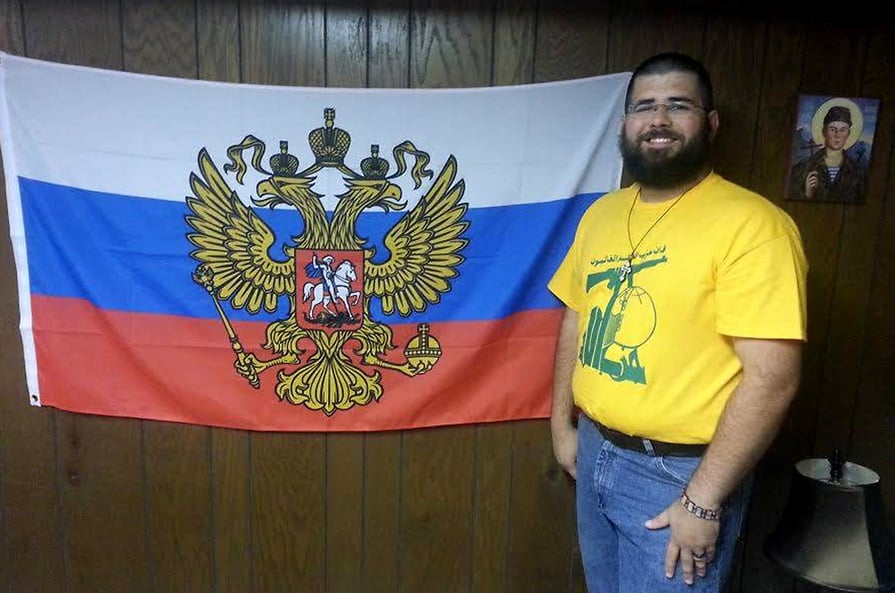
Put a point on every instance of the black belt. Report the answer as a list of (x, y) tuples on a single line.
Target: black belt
[(650, 447)]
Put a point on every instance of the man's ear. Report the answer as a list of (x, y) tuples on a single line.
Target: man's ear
[(714, 123)]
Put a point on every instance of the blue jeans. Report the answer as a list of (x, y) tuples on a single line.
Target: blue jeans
[(617, 491)]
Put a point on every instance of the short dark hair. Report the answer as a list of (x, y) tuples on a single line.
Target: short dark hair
[(666, 62)]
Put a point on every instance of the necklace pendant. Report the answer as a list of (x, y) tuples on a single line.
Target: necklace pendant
[(624, 271)]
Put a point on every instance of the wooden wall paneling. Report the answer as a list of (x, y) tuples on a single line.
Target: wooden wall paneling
[(512, 63), (543, 536), (346, 66), (515, 30), (874, 417), (636, 32), (779, 84), (32, 545), (854, 274), (217, 30), (572, 40), (448, 48), (72, 32), (283, 44), (388, 65), (388, 60), (451, 44), (733, 54), (96, 454), (160, 38), (834, 65), (217, 26)]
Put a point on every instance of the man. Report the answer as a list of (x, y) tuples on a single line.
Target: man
[(829, 174), (680, 346)]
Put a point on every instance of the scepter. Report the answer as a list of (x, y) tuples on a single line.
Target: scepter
[(204, 276)]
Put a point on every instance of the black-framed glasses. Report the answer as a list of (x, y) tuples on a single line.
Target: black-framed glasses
[(674, 109)]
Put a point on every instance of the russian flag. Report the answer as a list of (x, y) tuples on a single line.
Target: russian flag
[(295, 259)]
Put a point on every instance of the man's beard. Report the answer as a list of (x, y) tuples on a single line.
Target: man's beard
[(660, 170)]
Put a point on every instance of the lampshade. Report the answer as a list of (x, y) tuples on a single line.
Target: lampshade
[(833, 531)]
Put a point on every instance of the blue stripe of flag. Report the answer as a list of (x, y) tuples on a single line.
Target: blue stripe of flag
[(131, 254)]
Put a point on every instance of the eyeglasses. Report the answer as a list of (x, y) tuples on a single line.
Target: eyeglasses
[(674, 109)]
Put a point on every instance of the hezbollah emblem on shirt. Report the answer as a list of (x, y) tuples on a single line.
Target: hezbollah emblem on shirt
[(327, 272)]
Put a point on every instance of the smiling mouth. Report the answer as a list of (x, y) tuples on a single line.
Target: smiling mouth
[(658, 141)]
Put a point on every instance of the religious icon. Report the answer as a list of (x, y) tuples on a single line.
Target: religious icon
[(831, 146)]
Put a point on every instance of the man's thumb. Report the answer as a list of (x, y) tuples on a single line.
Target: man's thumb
[(660, 521)]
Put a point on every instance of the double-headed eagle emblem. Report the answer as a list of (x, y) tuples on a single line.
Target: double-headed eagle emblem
[(329, 347)]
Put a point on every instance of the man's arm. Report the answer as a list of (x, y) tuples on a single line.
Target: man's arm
[(563, 431), (751, 419)]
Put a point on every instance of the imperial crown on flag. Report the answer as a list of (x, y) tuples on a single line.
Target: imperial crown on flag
[(184, 255)]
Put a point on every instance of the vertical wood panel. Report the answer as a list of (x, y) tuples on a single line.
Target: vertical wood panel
[(542, 516), (449, 48), (634, 36), (217, 27), (779, 86), (874, 419), (514, 36), (160, 38), (346, 66), (97, 455), (31, 549), (733, 56), (853, 275), (388, 67), (283, 44), (572, 40), (835, 68), (217, 24)]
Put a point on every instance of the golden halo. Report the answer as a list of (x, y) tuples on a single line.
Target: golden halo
[(817, 122)]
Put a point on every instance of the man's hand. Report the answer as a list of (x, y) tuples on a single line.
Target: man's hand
[(565, 447), (691, 542), (811, 182)]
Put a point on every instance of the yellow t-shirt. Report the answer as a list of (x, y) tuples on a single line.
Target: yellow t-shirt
[(655, 355)]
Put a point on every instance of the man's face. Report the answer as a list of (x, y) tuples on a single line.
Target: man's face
[(667, 134), (836, 134)]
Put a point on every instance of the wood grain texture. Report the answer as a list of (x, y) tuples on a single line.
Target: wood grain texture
[(288, 500), (32, 555), (514, 42), (873, 423), (782, 56), (389, 47), (282, 42), (542, 517), (160, 38), (346, 66), (450, 47), (733, 54), (835, 68), (61, 32), (572, 40), (436, 510), (854, 272), (217, 38)]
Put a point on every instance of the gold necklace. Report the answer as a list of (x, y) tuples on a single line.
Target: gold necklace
[(627, 268)]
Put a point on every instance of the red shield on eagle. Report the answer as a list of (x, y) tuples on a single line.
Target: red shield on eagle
[(330, 284)]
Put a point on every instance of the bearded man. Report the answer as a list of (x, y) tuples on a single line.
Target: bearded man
[(680, 347)]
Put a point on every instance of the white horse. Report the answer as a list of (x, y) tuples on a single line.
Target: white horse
[(343, 276)]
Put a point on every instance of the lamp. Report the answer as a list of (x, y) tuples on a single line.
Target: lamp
[(833, 531)]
